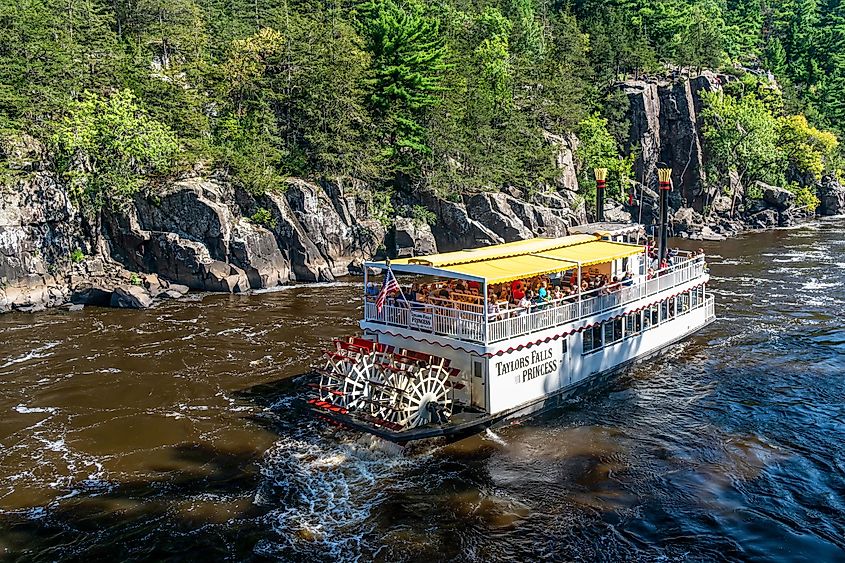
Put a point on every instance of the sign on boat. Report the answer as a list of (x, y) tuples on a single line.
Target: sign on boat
[(458, 347)]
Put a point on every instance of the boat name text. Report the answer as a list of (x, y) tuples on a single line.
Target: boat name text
[(534, 364)]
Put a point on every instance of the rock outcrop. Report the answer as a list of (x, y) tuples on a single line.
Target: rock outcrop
[(831, 197)]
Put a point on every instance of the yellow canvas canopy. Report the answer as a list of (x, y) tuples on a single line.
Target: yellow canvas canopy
[(501, 270), (517, 248), (595, 252), (517, 260)]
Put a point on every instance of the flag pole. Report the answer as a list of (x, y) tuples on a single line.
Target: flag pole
[(405, 299)]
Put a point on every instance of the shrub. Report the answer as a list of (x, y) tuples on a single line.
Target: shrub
[(77, 256), (263, 217), (423, 216)]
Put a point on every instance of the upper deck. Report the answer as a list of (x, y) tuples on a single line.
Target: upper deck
[(474, 320)]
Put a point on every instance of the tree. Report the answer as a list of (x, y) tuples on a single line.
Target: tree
[(109, 148), (741, 136), (808, 151), (408, 61), (597, 149)]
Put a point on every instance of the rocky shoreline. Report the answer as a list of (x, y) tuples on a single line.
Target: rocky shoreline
[(203, 233)]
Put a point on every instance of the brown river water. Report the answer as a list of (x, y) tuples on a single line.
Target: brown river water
[(171, 434)]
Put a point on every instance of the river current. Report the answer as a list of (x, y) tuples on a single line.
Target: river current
[(170, 434)]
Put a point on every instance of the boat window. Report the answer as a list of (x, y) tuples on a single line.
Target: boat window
[(671, 307), (592, 338), (634, 323), (664, 310), (608, 332), (683, 302)]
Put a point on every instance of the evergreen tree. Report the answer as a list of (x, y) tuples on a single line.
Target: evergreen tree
[(408, 61)]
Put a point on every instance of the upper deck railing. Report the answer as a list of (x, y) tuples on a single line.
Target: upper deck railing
[(470, 325)]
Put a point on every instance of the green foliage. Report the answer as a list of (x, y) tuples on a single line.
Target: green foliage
[(408, 60), (741, 136), (135, 279), (423, 216), (263, 217), (809, 151), (452, 96), (597, 149), (381, 207), (805, 196), (77, 256), (109, 148)]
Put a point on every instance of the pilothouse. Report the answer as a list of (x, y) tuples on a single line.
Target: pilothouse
[(454, 343)]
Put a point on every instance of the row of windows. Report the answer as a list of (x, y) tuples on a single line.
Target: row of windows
[(615, 330)]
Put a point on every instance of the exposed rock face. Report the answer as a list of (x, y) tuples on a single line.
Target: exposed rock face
[(831, 197), (665, 127), (779, 198), (414, 238)]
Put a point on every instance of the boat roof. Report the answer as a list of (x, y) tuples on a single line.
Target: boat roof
[(516, 260)]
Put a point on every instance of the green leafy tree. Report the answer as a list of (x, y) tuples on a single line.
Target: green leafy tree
[(597, 149), (809, 152), (110, 148), (741, 136)]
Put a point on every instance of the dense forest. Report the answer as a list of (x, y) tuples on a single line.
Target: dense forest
[(448, 95)]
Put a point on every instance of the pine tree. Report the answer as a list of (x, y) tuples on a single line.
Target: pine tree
[(408, 61)]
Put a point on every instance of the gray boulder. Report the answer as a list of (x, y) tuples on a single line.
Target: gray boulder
[(414, 238), (779, 198), (130, 297), (765, 219)]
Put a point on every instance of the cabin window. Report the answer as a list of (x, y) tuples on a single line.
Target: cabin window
[(633, 323), (683, 302), (664, 311), (612, 331), (592, 338), (672, 302)]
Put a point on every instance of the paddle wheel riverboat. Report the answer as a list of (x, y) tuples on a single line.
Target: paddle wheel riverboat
[(453, 365)]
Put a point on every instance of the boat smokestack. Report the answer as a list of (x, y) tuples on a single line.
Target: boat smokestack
[(601, 183), (665, 184)]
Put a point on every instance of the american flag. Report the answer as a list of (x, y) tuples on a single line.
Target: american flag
[(389, 284)]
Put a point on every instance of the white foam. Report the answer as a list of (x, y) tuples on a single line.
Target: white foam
[(493, 437), (30, 410), (816, 284), (32, 355)]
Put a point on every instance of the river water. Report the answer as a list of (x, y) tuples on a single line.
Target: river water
[(170, 434)]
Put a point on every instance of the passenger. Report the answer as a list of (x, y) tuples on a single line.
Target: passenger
[(527, 301), (543, 293), (493, 310), (371, 289), (518, 290), (557, 294)]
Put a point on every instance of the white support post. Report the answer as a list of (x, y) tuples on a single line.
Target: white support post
[(366, 316), (580, 306), (484, 317)]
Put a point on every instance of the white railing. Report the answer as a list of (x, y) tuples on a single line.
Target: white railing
[(469, 325), (710, 304)]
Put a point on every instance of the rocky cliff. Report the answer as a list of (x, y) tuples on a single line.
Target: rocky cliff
[(203, 233)]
